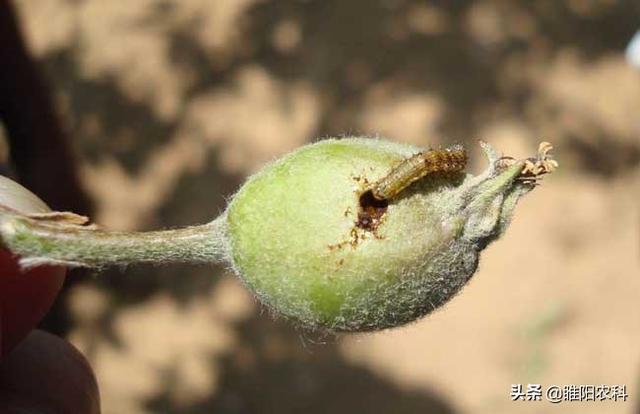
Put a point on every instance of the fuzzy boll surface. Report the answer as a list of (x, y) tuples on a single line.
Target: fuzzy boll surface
[(294, 240)]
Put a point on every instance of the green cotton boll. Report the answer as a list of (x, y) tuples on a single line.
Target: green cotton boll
[(295, 239), (343, 235)]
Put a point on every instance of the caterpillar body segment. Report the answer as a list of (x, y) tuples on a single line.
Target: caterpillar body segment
[(431, 161)]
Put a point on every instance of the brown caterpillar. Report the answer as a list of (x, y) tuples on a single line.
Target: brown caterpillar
[(417, 166)]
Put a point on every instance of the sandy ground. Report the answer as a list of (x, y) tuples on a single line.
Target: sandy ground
[(170, 104)]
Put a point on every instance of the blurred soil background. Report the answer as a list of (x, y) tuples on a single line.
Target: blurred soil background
[(169, 105)]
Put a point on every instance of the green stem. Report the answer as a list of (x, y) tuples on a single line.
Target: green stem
[(41, 241)]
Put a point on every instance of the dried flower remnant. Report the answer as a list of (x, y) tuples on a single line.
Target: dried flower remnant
[(534, 168)]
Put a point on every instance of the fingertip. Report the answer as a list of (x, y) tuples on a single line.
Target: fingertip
[(49, 372), (13, 404)]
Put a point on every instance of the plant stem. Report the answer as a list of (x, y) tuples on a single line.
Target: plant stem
[(49, 239)]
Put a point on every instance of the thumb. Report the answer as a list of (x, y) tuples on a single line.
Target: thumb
[(46, 374), (13, 404)]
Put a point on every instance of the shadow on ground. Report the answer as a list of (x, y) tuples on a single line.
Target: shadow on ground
[(275, 369)]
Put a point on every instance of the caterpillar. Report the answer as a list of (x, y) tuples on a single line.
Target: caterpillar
[(451, 159)]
